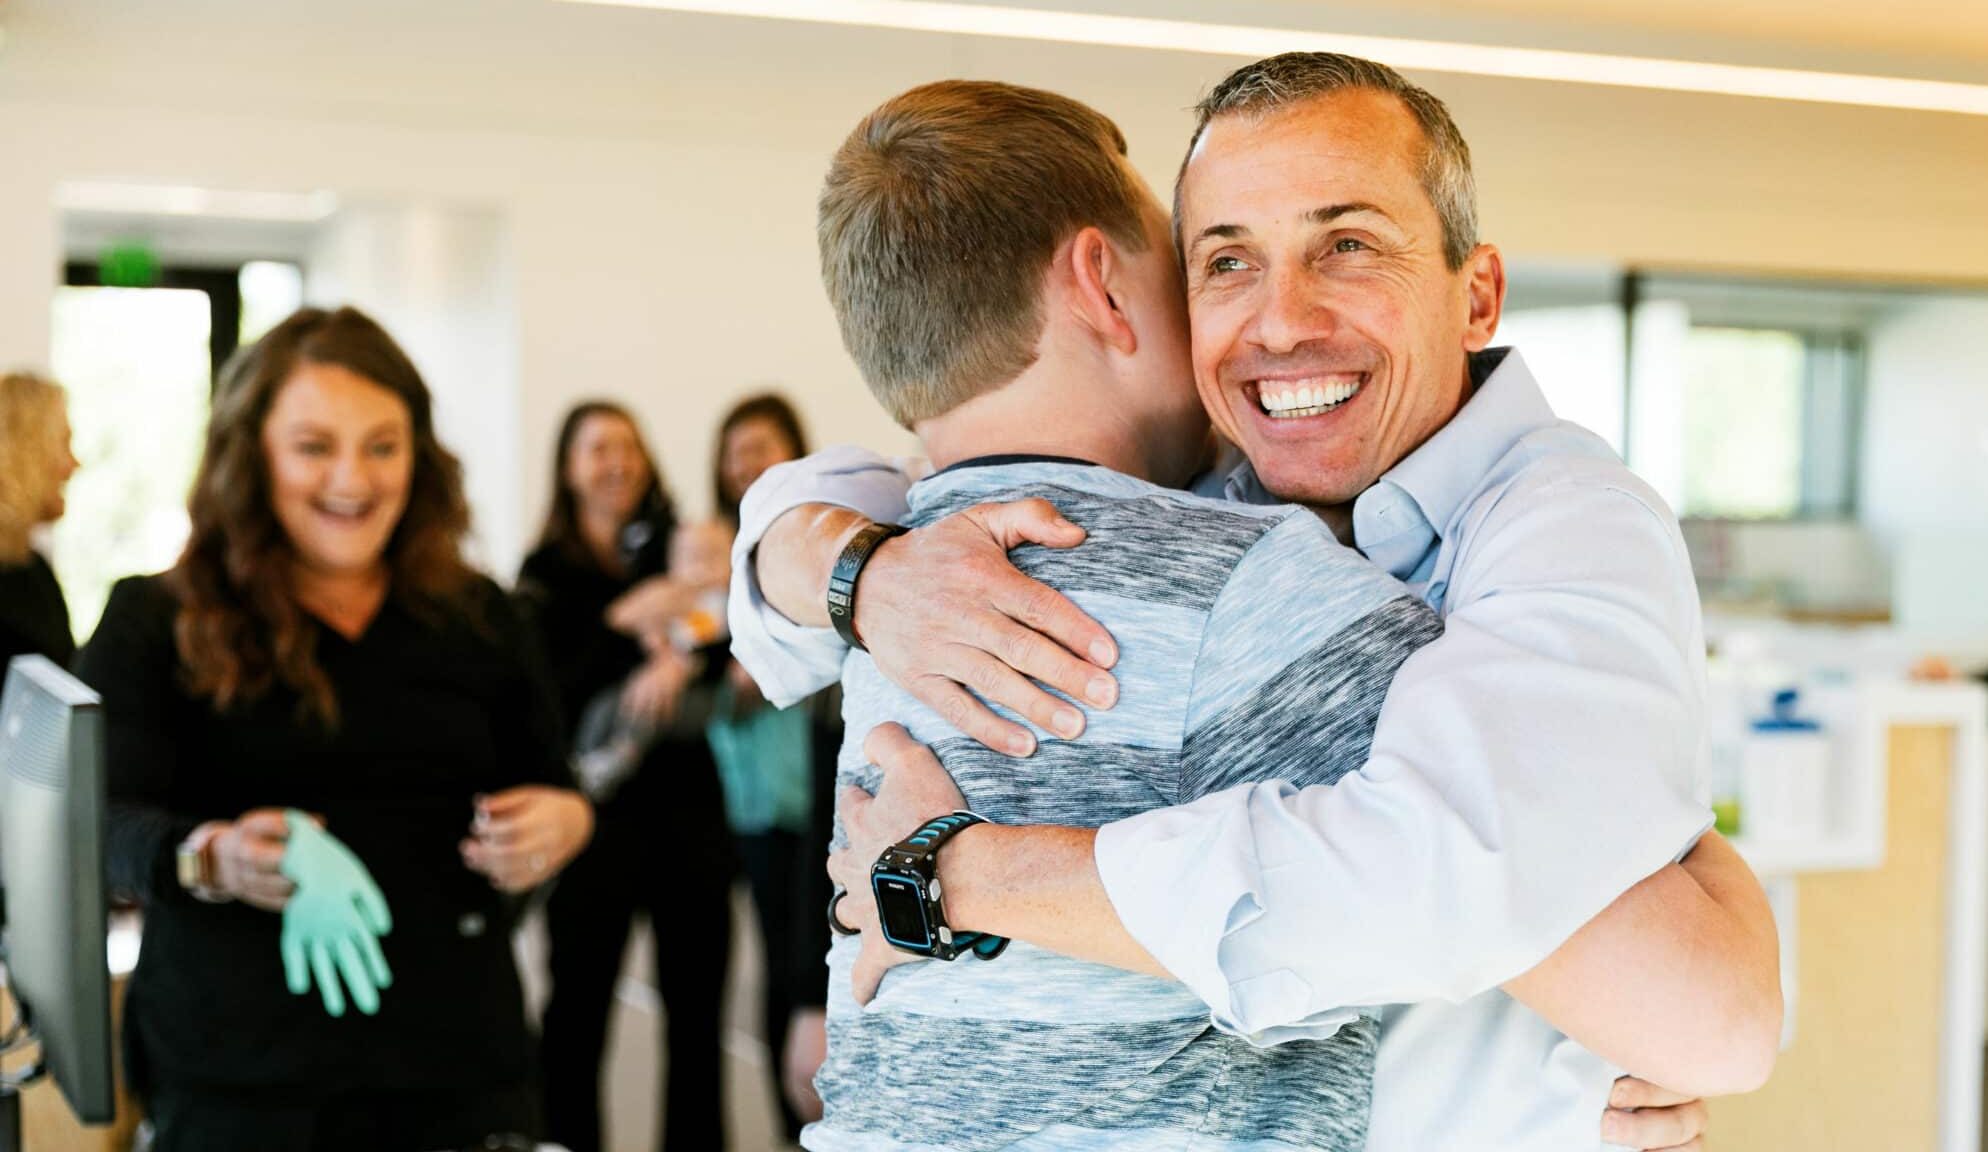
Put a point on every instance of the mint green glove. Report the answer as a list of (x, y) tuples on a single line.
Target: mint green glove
[(334, 920)]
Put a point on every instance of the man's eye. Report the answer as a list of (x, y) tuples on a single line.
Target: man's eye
[(1226, 264), (1349, 244)]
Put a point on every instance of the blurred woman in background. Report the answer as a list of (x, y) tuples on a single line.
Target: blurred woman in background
[(779, 773), (35, 463), (322, 648), (595, 587)]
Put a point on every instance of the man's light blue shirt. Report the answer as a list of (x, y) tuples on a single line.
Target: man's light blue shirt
[(1532, 764)]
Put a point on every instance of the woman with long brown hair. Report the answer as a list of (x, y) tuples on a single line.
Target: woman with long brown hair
[(321, 647), (595, 586)]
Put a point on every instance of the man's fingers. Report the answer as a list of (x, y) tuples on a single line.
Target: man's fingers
[(1038, 657), (845, 872), (891, 748), (1040, 608), (875, 958), (887, 744), (1654, 1127), (967, 715), (997, 683), (852, 804), (1630, 1092), (1019, 522)]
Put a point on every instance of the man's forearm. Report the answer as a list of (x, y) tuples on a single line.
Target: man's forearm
[(1678, 981), (1039, 884), (797, 554)]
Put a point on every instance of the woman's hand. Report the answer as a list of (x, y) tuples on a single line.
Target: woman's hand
[(652, 694), (248, 858), (807, 1047), (524, 836), (645, 611)]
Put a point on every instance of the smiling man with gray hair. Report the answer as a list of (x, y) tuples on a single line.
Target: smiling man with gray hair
[(1523, 856)]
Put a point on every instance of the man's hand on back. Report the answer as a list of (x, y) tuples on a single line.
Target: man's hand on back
[(915, 788), (1643, 1115), (943, 610)]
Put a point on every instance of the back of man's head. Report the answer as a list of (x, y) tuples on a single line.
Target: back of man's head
[(1278, 82), (940, 216)]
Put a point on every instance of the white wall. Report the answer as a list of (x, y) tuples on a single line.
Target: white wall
[(625, 278), (655, 176), (440, 279)]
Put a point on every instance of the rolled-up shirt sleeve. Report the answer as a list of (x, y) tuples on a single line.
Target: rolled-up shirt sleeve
[(790, 662), (1529, 766)]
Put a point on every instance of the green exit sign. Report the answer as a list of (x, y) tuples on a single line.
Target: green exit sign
[(128, 265)]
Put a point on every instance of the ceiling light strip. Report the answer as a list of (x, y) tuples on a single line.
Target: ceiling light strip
[(1422, 55)]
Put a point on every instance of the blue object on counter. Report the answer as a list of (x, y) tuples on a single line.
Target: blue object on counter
[(1784, 718)]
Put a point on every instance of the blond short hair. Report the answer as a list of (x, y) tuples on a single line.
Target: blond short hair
[(940, 216), (31, 411)]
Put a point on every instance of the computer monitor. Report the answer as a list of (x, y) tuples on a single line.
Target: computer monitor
[(52, 866)]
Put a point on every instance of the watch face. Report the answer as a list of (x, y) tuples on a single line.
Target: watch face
[(901, 906)]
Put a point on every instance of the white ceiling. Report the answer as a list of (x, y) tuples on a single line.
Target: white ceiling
[(1952, 28), (545, 65)]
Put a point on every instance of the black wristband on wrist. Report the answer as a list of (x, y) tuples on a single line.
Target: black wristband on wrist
[(842, 580)]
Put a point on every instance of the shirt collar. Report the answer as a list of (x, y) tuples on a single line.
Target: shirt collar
[(1398, 522), (996, 461)]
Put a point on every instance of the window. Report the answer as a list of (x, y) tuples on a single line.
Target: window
[(1742, 400), (139, 366), (1734, 400), (270, 291), (135, 362)]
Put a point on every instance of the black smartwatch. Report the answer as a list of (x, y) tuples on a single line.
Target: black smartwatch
[(842, 579), (909, 907)]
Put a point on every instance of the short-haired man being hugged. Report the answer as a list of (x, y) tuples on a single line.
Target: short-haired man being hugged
[(1007, 285)]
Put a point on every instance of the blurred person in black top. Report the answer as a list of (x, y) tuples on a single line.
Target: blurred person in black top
[(321, 645), (785, 860), (598, 597), (35, 462)]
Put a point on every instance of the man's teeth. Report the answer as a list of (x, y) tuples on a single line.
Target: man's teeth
[(1285, 401)]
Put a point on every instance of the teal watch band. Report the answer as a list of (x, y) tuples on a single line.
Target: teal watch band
[(910, 907)]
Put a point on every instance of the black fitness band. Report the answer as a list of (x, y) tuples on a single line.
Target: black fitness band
[(842, 580)]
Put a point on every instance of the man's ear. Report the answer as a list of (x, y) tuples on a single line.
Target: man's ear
[(1484, 289), (1098, 284)]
